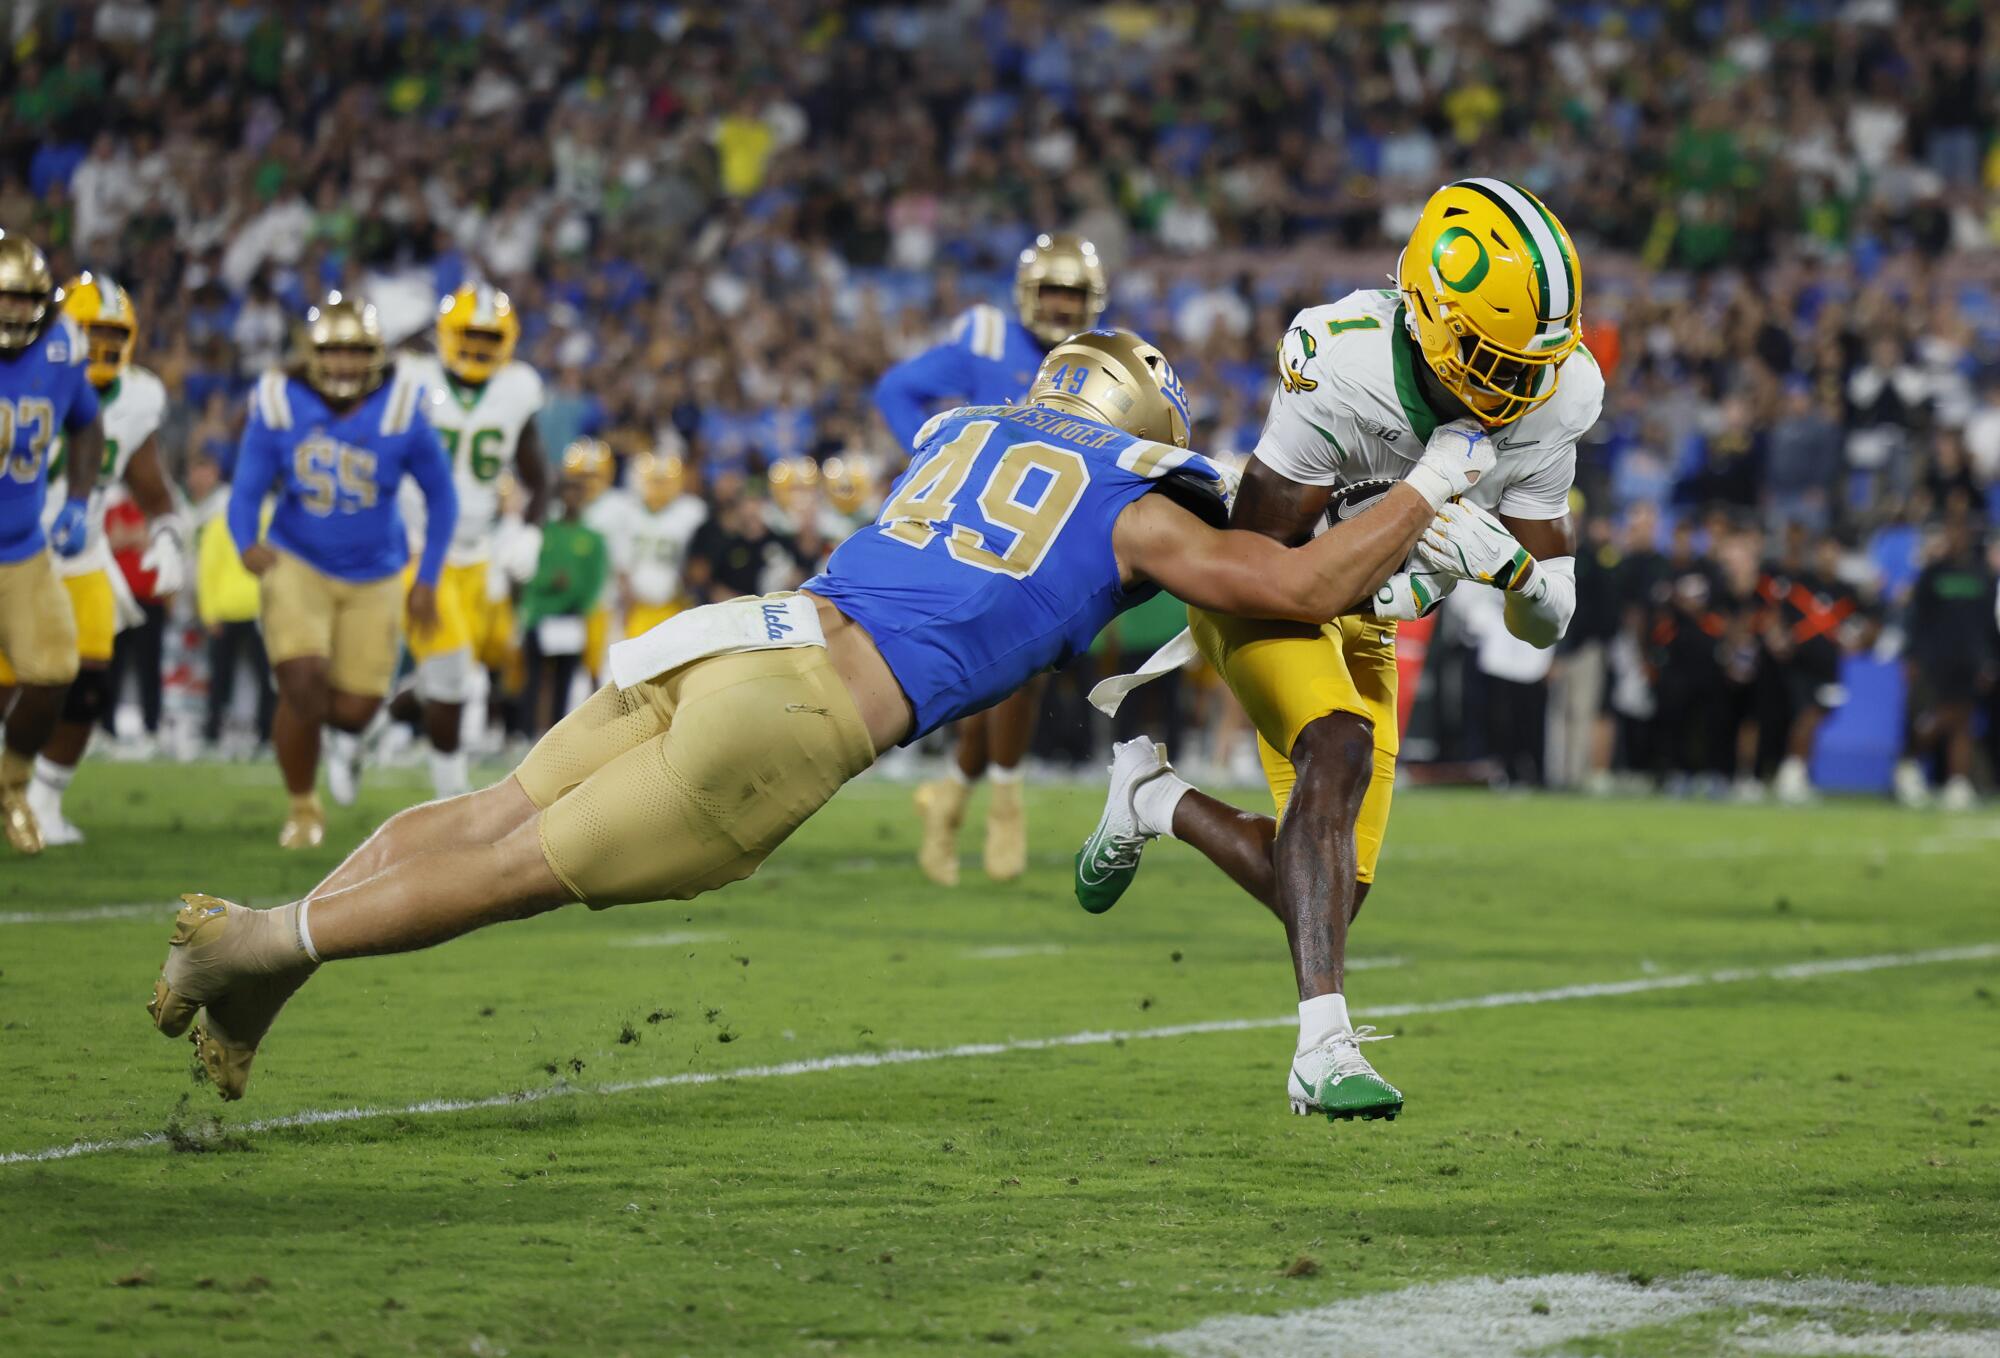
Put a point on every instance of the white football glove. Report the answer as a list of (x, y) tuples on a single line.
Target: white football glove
[(164, 557), (523, 552), (1467, 542), (1409, 595), (1454, 459)]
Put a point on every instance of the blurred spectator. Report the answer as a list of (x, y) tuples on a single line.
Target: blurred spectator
[(226, 599), (567, 584)]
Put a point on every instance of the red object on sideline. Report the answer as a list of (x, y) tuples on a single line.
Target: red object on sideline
[(1413, 642)]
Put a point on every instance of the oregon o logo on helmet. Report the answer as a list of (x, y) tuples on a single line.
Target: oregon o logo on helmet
[(1473, 276)]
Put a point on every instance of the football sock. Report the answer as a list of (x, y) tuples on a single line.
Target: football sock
[(1320, 1017), (55, 776), (1154, 802), (342, 745), (1000, 775), (954, 774), (305, 803), (449, 773)]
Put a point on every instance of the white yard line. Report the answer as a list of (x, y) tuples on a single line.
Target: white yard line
[(1795, 971), (1517, 1317)]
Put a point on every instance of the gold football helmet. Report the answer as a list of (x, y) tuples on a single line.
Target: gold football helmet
[(344, 353), (849, 483), (589, 462), (110, 324), (1062, 260), (1492, 292), (661, 478), (28, 292), (794, 480), (476, 333), (1115, 378)]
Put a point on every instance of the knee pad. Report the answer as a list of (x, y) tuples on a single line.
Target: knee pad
[(89, 696), (446, 678)]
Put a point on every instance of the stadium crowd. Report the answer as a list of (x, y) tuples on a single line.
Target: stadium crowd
[(718, 235)]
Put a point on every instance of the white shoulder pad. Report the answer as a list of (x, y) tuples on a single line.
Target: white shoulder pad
[(274, 400), (148, 395), (529, 382)]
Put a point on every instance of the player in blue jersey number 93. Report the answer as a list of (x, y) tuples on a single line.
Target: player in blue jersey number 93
[(1015, 535)]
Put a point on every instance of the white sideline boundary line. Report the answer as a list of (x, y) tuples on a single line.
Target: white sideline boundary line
[(320, 1117)]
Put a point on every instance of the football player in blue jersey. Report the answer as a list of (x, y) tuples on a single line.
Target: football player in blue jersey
[(333, 442), (1017, 533), (1059, 289), (44, 392)]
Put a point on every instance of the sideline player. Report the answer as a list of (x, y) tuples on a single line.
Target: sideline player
[(1059, 289), (44, 392), (1484, 325), (656, 547), (131, 404), (1016, 534), (334, 442), (483, 403)]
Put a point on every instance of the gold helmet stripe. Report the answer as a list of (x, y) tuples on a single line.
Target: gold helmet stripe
[(1558, 284)]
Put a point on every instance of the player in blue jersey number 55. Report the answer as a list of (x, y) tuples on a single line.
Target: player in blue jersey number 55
[(332, 443), (1017, 533)]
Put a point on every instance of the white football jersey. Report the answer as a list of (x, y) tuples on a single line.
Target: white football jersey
[(481, 430), (131, 410), (615, 516), (657, 548), (1349, 407)]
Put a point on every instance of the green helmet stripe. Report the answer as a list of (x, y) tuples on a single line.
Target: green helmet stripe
[(1557, 298)]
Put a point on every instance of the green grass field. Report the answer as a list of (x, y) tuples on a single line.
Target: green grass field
[(995, 1191)]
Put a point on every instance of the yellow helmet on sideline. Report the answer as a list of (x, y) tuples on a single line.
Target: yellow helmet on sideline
[(477, 330), (109, 321), (1492, 295)]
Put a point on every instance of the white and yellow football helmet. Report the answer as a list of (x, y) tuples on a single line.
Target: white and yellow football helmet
[(1062, 260), (477, 330), (589, 461), (1492, 296), (849, 481), (794, 482), (661, 479), (1115, 378), (28, 292), (109, 321), (345, 357)]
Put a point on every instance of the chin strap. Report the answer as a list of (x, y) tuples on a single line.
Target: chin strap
[(1539, 611)]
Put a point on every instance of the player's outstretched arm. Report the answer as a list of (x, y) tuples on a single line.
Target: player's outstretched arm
[(1250, 575)]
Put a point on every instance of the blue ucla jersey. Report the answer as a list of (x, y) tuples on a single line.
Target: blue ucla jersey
[(992, 560), (336, 474), (42, 394), (989, 360)]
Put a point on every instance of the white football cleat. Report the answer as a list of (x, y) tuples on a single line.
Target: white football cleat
[(47, 806), (1793, 786), (343, 767), (1109, 859), (1334, 1078), (1958, 796), (1912, 789)]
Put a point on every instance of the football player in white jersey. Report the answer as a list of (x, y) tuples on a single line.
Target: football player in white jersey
[(1481, 333), (649, 578), (133, 402), (482, 402), (613, 513)]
